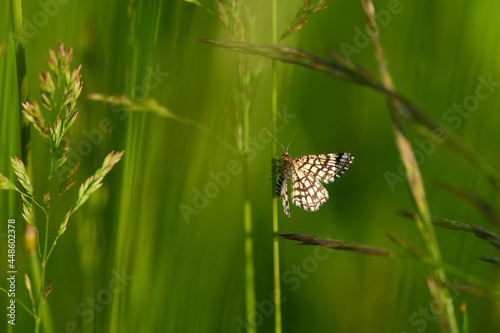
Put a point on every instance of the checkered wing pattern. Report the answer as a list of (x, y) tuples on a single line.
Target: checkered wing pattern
[(306, 172), (325, 167), (307, 193)]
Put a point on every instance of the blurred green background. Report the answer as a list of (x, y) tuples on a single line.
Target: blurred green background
[(184, 272)]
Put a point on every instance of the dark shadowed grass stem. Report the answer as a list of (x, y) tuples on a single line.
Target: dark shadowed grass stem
[(437, 276), (274, 107), (22, 79)]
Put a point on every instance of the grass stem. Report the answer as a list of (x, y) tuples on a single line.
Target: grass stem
[(437, 276), (274, 108), (247, 216)]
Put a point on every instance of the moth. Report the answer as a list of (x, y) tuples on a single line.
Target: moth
[(306, 173)]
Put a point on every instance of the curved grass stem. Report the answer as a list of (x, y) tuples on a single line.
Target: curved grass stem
[(437, 276)]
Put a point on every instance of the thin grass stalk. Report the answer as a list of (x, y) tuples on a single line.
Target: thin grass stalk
[(41, 299), (244, 103), (247, 216), (274, 108), (437, 278)]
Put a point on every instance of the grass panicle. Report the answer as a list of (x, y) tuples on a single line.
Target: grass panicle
[(22, 175), (34, 115), (69, 179), (60, 89), (93, 183), (6, 184), (302, 17)]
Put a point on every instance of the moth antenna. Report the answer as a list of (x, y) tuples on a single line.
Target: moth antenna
[(272, 136), (291, 139)]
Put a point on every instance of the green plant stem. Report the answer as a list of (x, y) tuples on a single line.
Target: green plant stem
[(447, 319), (274, 107), (249, 267), (247, 216), (48, 325), (41, 299)]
